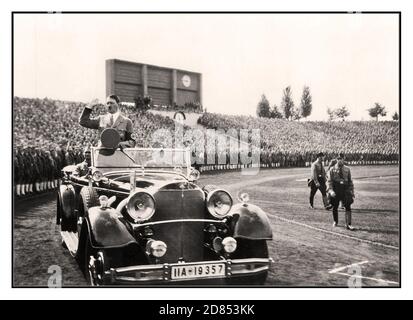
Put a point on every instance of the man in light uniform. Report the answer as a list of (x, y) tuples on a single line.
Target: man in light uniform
[(318, 180), (113, 119)]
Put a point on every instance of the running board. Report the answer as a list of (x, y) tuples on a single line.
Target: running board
[(71, 240)]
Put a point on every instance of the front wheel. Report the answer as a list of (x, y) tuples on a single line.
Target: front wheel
[(93, 265), (250, 249)]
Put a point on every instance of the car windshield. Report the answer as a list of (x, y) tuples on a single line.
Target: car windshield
[(141, 158)]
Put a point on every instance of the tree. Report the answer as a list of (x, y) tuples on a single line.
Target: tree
[(296, 114), (275, 113), (306, 105), (377, 110), (263, 108), (287, 103), (342, 112), (395, 116), (331, 114)]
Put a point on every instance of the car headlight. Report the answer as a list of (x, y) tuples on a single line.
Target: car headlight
[(219, 203), (140, 206), (229, 244), (97, 175), (194, 175), (156, 248), (243, 197)]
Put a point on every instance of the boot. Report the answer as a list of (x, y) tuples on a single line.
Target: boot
[(326, 203), (348, 220), (311, 202), (335, 217)]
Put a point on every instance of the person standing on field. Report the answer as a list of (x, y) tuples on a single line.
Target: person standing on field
[(318, 181), (341, 188)]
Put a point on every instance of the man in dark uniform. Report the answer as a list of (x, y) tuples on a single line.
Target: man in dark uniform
[(17, 171), (341, 188), (113, 119), (82, 168), (318, 180)]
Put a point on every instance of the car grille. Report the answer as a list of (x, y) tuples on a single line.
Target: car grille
[(185, 239)]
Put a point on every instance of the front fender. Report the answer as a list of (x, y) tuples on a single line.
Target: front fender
[(106, 230), (250, 222)]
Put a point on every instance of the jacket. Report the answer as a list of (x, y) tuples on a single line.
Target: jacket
[(122, 124)]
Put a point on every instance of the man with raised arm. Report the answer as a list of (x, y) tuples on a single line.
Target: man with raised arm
[(113, 119)]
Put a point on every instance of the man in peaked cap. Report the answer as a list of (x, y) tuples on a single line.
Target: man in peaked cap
[(341, 188), (318, 181), (82, 168)]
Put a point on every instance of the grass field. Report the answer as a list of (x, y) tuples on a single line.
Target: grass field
[(306, 246), (307, 250)]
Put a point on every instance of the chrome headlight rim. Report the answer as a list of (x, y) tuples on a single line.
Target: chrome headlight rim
[(130, 202), (194, 175), (156, 248), (97, 175), (212, 212), (229, 244)]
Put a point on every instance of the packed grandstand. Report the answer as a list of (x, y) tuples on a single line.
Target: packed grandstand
[(47, 137)]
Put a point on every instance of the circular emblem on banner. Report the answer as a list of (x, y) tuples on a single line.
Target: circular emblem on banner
[(179, 117), (186, 81)]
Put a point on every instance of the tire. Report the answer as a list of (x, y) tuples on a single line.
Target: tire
[(250, 249), (83, 254), (80, 252), (66, 223), (89, 198), (87, 252), (58, 209)]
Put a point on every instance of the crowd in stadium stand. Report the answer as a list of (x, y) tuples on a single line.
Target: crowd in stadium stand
[(47, 137), (294, 143)]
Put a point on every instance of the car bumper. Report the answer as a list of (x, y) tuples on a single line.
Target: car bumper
[(163, 272)]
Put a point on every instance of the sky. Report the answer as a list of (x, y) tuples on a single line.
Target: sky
[(345, 59)]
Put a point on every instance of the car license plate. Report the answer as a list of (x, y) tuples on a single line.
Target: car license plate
[(210, 270)]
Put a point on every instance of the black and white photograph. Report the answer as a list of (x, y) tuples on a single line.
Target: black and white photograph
[(194, 149)]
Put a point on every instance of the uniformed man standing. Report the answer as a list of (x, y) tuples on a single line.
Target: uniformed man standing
[(113, 119), (341, 188), (318, 180)]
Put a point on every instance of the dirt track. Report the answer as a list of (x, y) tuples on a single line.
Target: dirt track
[(305, 246)]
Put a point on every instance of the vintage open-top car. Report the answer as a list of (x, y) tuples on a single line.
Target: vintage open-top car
[(139, 217)]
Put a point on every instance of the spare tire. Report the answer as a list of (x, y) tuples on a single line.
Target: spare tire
[(89, 198)]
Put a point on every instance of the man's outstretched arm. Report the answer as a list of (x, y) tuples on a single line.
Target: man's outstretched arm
[(86, 121)]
